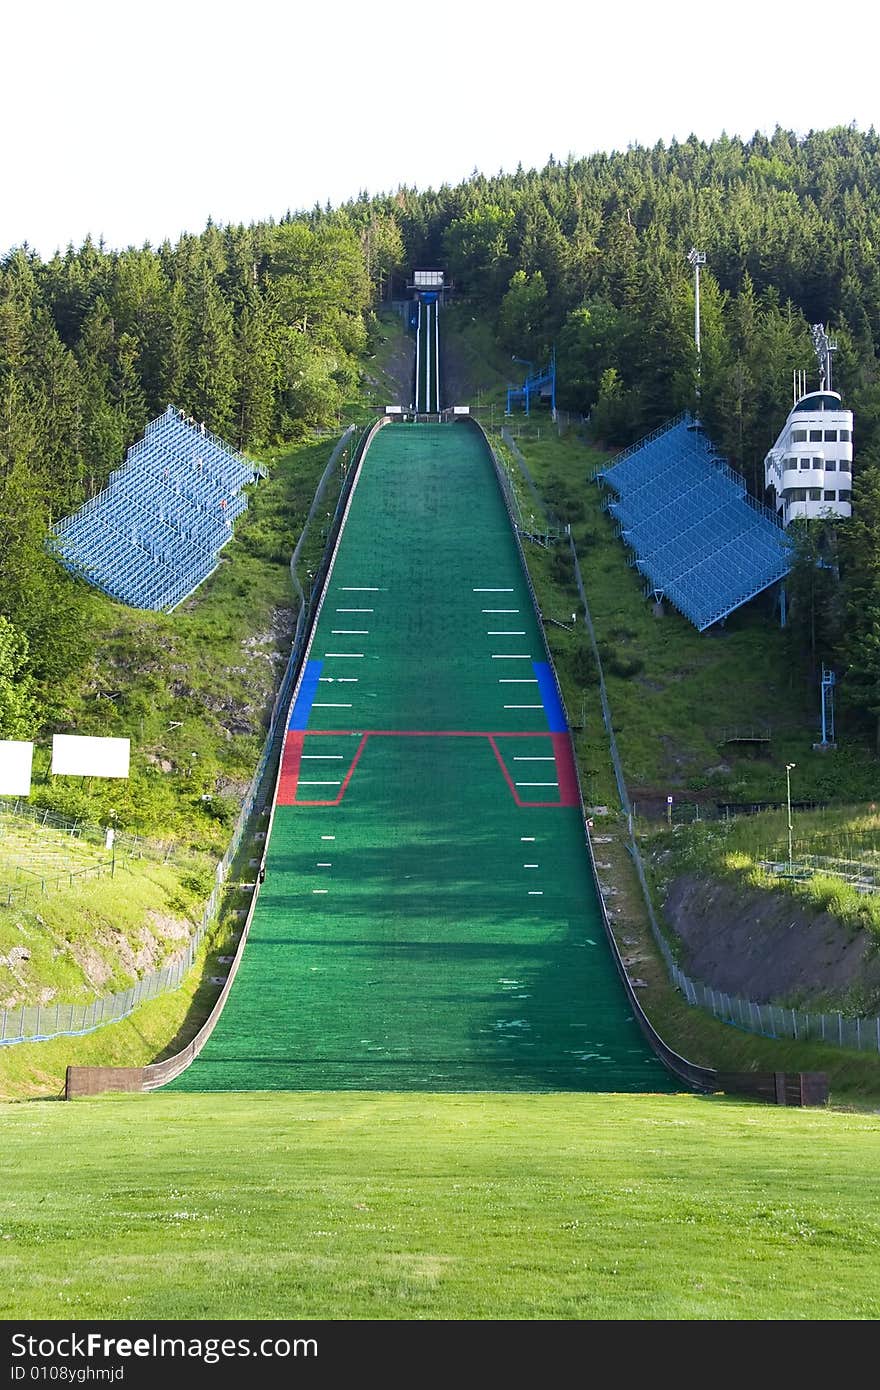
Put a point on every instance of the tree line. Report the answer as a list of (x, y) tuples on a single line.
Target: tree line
[(257, 331), (260, 332)]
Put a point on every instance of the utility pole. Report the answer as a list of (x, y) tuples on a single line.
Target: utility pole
[(789, 767), (696, 259)]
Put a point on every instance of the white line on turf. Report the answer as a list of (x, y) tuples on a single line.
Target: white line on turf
[(330, 704), (517, 680), (527, 758), (359, 589), (352, 632), (301, 783), (536, 892), (537, 784), (523, 706), (327, 654), (493, 591), (497, 656), (525, 839), (319, 890), (328, 837), (355, 610), (325, 864), (531, 866), (489, 610), (342, 680), (496, 633)]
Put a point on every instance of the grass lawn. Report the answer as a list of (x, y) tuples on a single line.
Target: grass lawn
[(427, 1206)]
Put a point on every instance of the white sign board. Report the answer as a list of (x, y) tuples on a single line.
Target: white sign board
[(428, 279), (74, 756), (16, 762)]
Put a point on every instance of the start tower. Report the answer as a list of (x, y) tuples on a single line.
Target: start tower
[(430, 291)]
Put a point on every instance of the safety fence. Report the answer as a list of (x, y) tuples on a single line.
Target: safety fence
[(768, 1020), (39, 1023)]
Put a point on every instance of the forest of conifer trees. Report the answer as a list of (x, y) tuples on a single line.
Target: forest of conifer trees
[(261, 331)]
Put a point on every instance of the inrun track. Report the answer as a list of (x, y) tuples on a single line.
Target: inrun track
[(428, 919)]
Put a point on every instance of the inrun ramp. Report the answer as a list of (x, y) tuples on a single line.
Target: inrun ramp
[(428, 919), (699, 539)]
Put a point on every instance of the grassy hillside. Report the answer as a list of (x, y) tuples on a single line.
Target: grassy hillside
[(364, 1206)]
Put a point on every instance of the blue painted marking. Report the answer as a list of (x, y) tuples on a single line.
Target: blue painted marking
[(308, 689), (550, 698)]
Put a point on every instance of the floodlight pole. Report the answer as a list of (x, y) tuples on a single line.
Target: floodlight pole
[(696, 259), (788, 771)]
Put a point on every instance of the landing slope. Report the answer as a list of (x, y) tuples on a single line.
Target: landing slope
[(428, 919)]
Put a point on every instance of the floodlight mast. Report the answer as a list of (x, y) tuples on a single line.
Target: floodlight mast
[(823, 346), (696, 259)]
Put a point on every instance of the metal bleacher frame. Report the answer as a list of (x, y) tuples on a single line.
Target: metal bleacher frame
[(698, 538), (155, 532)]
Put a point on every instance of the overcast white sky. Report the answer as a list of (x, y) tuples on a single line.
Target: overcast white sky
[(136, 121)]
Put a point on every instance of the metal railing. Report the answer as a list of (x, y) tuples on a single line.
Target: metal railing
[(768, 1020), (29, 1023)]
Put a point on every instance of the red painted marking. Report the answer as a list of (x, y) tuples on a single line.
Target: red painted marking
[(423, 733), (293, 748), (290, 765), (565, 770), (342, 790)]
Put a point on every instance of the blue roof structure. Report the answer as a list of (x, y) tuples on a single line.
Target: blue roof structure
[(699, 539), (155, 532)]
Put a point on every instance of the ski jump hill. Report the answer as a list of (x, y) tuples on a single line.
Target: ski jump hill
[(428, 918)]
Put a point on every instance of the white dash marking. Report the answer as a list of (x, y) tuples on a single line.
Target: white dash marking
[(525, 839), (511, 680), (301, 783), (527, 758), (531, 866), (536, 892), (352, 632), (493, 591), (496, 656), (322, 757), (319, 890), (328, 837), (537, 784), (325, 864), (330, 704), (355, 610), (496, 633), (359, 588), (523, 706), (496, 610)]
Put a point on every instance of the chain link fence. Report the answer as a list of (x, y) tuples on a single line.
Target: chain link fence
[(768, 1020), (39, 1023)]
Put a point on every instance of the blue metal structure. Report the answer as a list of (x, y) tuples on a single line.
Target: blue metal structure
[(541, 382), (154, 533), (699, 539), (829, 680)]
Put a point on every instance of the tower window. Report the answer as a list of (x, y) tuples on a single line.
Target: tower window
[(831, 436), (831, 496)]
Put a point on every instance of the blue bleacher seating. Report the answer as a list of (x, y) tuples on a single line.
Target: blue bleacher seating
[(155, 532), (698, 538)]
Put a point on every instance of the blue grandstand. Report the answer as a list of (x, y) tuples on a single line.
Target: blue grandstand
[(155, 532), (699, 539)]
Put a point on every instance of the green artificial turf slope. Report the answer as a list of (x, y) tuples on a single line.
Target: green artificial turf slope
[(423, 930)]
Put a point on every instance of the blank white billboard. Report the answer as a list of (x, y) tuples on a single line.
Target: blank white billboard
[(16, 762), (428, 279), (74, 756)]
